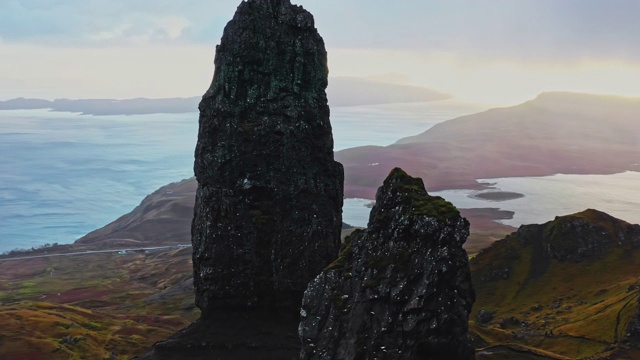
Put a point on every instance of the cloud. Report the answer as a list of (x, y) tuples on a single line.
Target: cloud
[(528, 30), (173, 26), (457, 46), (165, 29), (113, 22), (523, 29), (112, 72)]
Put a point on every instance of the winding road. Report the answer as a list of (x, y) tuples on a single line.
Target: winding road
[(181, 246)]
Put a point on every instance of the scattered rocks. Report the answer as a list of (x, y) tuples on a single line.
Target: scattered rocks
[(509, 322), (484, 316)]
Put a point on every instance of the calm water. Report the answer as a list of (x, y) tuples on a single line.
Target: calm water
[(545, 197), (550, 196), (63, 175)]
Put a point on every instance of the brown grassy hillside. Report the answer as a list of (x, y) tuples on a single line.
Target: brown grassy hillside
[(568, 287), (554, 133), (93, 306)]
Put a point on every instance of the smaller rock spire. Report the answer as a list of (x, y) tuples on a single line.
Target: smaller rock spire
[(401, 289)]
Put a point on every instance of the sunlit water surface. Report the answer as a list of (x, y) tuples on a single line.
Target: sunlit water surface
[(544, 197)]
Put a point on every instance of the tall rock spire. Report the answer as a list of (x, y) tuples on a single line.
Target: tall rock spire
[(268, 209)]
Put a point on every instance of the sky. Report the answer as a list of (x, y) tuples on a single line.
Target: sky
[(491, 51)]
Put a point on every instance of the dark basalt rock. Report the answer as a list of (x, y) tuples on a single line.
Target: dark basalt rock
[(268, 209), (484, 316), (269, 199), (401, 289)]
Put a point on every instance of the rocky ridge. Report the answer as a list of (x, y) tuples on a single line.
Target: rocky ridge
[(568, 287), (585, 236), (401, 289)]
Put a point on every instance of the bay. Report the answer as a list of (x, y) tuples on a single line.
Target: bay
[(63, 175), (544, 197)]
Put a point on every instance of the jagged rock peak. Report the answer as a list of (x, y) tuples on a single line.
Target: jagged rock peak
[(268, 209), (270, 52), (589, 234), (401, 289)]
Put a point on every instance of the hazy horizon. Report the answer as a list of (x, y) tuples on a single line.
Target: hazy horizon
[(500, 52)]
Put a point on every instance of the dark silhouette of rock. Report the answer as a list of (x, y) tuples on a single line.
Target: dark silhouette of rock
[(268, 208), (401, 289)]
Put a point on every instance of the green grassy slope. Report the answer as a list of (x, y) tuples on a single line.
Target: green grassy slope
[(544, 296)]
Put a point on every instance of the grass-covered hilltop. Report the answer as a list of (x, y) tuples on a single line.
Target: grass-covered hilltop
[(554, 133), (567, 289)]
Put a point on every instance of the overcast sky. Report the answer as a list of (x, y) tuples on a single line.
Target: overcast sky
[(499, 51)]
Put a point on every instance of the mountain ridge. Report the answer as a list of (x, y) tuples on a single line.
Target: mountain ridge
[(342, 91), (535, 138)]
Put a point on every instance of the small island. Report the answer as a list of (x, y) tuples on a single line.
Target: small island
[(496, 195)]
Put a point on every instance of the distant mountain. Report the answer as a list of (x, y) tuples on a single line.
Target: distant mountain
[(352, 91), (24, 104), (342, 91), (554, 133), (107, 106), (567, 288)]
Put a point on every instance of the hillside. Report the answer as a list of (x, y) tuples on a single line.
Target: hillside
[(162, 218), (554, 133), (566, 288), (93, 306), (561, 290)]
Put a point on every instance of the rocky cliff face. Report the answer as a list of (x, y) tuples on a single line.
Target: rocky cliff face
[(401, 289), (585, 235), (268, 208), (269, 199)]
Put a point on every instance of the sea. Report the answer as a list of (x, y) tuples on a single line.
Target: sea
[(64, 174)]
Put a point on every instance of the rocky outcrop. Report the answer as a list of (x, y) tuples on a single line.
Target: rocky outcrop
[(268, 207), (590, 234), (401, 289)]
